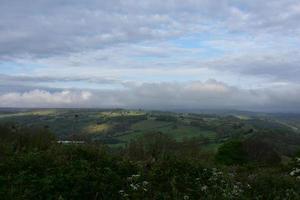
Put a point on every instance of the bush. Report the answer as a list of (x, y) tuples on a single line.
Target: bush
[(232, 153), (89, 171), (260, 152)]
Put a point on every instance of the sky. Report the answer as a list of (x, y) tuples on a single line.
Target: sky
[(151, 54)]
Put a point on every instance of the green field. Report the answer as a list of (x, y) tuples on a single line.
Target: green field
[(158, 146), (118, 127)]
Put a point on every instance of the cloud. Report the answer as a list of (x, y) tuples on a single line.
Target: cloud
[(282, 65), (54, 27), (166, 96), (42, 98), (50, 79), (150, 54)]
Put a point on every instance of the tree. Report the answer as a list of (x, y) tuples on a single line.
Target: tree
[(231, 153)]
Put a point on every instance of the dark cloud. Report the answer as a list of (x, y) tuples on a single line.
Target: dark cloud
[(190, 95), (7, 79), (279, 66)]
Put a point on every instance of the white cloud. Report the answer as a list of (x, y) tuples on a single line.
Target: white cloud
[(42, 98), (51, 27), (151, 53), (168, 95)]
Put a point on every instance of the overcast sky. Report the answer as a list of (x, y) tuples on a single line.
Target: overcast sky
[(153, 54)]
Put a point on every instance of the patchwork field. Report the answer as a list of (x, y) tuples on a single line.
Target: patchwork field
[(118, 127)]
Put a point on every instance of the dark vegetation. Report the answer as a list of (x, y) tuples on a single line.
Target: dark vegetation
[(140, 155)]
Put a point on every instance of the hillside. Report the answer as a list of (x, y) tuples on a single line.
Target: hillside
[(146, 155), (118, 127)]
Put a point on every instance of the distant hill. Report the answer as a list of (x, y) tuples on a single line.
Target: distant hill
[(118, 126)]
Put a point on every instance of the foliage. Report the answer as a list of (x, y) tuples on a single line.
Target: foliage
[(231, 153), (154, 164)]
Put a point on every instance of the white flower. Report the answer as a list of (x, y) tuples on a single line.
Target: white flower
[(292, 173), (136, 176), (295, 171), (204, 188), (134, 187), (145, 183), (186, 197)]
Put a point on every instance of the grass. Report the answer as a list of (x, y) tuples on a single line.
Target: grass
[(149, 125), (143, 127), (181, 132), (243, 117), (212, 147), (96, 128), (121, 113), (178, 132), (130, 136), (63, 123)]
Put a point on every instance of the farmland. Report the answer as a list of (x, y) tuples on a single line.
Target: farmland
[(118, 127), (135, 154)]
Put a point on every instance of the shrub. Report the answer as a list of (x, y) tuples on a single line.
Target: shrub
[(231, 153)]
